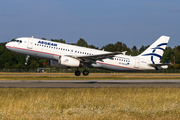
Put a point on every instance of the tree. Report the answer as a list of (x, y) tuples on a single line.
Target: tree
[(142, 49), (109, 47), (58, 40), (119, 46), (177, 54), (6, 65), (168, 55), (82, 42), (134, 51), (92, 46)]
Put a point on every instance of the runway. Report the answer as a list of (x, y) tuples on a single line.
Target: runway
[(88, 83)]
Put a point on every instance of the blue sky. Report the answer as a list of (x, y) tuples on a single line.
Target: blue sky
[(99, 22)]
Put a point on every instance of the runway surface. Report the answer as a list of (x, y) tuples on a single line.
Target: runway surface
[(88, 83)]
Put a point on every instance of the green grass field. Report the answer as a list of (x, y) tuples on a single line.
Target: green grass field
[(89, 103)]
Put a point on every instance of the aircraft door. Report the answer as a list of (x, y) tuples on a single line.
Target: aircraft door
[(136, 63), (30, 44)]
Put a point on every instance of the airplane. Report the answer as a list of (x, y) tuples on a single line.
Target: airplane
[(66, 56)]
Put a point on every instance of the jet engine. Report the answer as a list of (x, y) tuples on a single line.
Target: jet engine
[(54, 63), (68, 61)]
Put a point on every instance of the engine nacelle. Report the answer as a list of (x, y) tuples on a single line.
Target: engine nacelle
[(54, 63), (69, 61)]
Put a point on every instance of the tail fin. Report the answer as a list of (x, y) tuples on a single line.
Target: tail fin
[(155, 51)]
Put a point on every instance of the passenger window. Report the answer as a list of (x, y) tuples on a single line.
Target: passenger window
[(20, 41)]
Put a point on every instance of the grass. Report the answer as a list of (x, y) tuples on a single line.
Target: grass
[(92, 76), (89, 103)]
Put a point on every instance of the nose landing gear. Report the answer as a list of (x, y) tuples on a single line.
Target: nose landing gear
[(27, 58)]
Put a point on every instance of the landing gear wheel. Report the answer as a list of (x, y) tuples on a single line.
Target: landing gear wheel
[(77, 73), (85, 72)]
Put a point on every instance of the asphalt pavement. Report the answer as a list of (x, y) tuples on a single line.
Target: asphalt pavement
[(88, 83)]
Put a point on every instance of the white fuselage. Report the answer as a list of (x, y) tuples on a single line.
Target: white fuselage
[(53, 50)]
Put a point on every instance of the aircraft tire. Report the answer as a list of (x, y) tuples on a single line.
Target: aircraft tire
[(85, 72), (77, 73)]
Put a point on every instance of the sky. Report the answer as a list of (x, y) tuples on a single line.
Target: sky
[(99, 22)]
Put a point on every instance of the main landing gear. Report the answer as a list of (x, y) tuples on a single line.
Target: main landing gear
[(85, 72), (77, 73)]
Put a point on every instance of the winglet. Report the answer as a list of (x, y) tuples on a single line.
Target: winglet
[(124, 53)]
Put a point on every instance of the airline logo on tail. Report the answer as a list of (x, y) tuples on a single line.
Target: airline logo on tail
[(155, 54)]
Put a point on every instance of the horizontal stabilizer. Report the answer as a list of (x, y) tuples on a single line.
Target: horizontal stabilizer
[(160, 64)]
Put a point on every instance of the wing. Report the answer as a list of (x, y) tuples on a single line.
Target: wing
[(93, 58)]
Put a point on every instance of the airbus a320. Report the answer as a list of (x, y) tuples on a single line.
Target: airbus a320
[(66, 56)]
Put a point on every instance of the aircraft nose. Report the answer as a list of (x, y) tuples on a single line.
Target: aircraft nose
[(8, 45)]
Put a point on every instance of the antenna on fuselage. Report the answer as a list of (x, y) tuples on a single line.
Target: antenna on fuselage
[(32, 37)]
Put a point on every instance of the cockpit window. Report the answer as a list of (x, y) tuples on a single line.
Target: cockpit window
[(20, 41)]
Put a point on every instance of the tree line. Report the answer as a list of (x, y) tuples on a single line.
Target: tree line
[(11, 60)]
